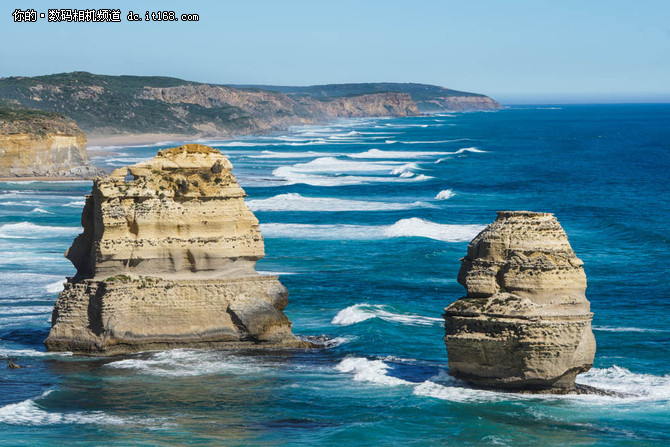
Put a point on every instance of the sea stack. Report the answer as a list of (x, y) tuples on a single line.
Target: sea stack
[(525, 323), (167, 259)]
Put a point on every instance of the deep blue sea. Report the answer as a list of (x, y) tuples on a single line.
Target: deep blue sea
[(365, 222)]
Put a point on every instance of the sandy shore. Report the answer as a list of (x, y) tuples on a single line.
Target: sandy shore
[(94, 141)]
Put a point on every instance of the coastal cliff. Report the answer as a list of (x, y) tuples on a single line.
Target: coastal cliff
[(41, 144), (525, 323), (105, 106), (166, 259)]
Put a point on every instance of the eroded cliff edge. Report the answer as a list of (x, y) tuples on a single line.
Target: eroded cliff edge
[(525, 323), (106, 106), (34, 143), (167, 260)]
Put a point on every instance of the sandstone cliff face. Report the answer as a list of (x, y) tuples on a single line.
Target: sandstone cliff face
[(32, 145), (271, 110), (525, 323), (167, 259)]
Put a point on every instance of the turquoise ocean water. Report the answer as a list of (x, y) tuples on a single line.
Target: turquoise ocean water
[(365, 221)]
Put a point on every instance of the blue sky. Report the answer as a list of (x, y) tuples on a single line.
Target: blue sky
[(516, 51)]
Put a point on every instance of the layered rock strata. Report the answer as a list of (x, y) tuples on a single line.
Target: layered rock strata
[(525, 323), (167, 260), (41, 144)]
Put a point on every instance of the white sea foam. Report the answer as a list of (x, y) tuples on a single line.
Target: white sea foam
[(405, 171), (308, 154), (365, 370), (425, 142), (639, 386), (29, 412), (28, 230), (11, 353), (290, 177), (362, 312), (625, 329), (445, 194), (55, 287), (634, 387), (297, 202), (75, 204), (24, 285), (443, 386), (413, 227), (332, 164), (270, 273), (376, 153), (25, 310), (185, 363), (41, 211)]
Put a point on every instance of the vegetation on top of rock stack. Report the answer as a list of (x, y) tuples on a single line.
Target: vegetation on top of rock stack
[(15, 119)]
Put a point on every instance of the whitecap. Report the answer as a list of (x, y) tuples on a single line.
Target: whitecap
[(622, 380), (415, 227), (624, 329), (376, 153), (412, 227), (29, 412), (12, 353), (25, 310), (55, 287), (444, 387), (297, 202), (308, 154), (445, 194), (41, 211), (186, 363), (75, 204), (28, 230), (362, 312), (365, 370)]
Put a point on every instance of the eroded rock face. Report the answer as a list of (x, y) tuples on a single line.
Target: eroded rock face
[(167, 259), (40, 144), (525, 323)]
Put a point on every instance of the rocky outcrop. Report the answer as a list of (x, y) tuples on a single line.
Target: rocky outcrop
[(166, 260), (525, 323), (272, 110), (178, 109), (39, 144), (458, 104)]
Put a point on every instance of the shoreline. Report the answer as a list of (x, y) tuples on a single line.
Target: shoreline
[(44, 179), (144, 139)]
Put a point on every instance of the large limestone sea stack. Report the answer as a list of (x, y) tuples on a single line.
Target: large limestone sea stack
[(167, 260), (525, 323)]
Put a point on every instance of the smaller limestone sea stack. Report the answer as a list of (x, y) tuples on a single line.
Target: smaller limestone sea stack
[(525, 323), (167, 260)]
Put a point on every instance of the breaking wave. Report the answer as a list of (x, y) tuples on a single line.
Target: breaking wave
[(362, 312), (30, 412), (365, 370), (186, 363), (445, 194), (412, 227), (28, 230), (296, 202)]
